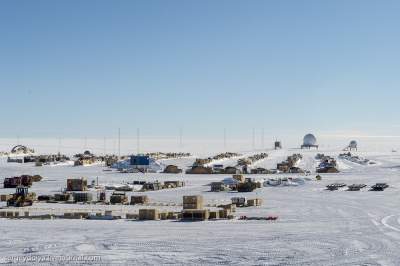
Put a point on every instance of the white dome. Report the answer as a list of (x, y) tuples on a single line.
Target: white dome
[(309, 140), (353, 144)]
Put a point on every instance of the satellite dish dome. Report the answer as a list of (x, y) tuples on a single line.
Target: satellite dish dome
[(353, 144), (309, 140)]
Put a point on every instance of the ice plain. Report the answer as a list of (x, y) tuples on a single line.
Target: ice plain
[(315, 226)]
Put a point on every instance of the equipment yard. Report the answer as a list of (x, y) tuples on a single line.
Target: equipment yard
[(304, 224)]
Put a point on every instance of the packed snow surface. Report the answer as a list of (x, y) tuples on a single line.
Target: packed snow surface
[(315, 226)]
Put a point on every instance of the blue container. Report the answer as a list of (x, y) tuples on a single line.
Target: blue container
[(140, 160)]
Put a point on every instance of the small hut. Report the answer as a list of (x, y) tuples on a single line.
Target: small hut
[(278, 145)]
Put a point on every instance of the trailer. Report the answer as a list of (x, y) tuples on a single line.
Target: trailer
[(356, 187), (379, 187), (267, 218), (335, 186)]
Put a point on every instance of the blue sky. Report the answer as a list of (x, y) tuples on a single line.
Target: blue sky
[(85, 68)]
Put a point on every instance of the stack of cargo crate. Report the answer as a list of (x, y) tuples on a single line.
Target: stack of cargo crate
[(163, 215), (118, 198), (149, 214), (231, 207), (223, 214), (81, 215), (195, 215), (13, 182), (193, 209), (82, 196), (61, 197), (193, 202), (139, 200), (132, 216), (173, 215), (214, 214), (254, 202), (77, 184)]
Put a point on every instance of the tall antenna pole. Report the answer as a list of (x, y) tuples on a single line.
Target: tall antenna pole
[(253, 144), (180, 137), (138, 140), (224, 139), (119, 142), (104, 146), (262, 139), (59, 145)]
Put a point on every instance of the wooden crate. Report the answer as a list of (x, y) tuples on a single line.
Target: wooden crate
[(193, 202), (214, 214), (195, 215), (148, 214), (139, 200), (163, 215), (76, 184), (82, 215), (5, 197), (61, 197), (254, 202), (132, 216), (230, 207), (192, 199), (172, 216), (118, 199), (82, 196), (224, 213), (69, 215)]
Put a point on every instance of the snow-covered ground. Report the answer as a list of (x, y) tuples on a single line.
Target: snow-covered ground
[(315, 226)]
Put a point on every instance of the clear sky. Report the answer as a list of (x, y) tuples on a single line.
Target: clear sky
[(85, 68)]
